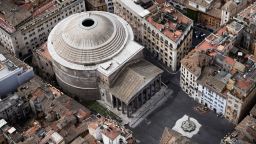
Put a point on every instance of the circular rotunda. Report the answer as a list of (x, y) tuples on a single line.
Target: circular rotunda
[(81, 42)]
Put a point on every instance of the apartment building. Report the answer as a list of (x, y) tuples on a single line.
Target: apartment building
[(14, 108), (220, 75), (109, 131), (96, 5), (42, 62), (244, 132), (110, 5), (13, 73), (212, 13), (194, 60), (159, 27), (194, 79), (99, 5), (24, 26), (248, 18)]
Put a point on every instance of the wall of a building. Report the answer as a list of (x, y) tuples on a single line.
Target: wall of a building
[(44, 66), (96, 5), (233, 108), (81, 84), (110, 5), (6, 40), (247, 104), (17, 111), (213, 101), (188, 84), (209, 21), (198, 7), (14, 79), (225, 16)]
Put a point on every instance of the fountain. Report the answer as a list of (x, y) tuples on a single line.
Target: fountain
[(188, 125)]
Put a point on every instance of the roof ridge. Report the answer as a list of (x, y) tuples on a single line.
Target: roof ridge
[(138, 74)]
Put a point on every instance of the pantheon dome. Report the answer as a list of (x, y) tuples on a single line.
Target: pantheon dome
[(84, 45)]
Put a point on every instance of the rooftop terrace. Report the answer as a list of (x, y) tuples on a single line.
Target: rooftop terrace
[(6, 67), (222, 39), (194, 61), (9, 63), (248, 15), (110, 128), (211, 79), (10, 101), (169, 21)]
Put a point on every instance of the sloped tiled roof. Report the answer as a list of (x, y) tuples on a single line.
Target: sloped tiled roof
[(172, 137), (133, 79)]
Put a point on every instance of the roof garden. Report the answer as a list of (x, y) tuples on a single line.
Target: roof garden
[(169, 21)]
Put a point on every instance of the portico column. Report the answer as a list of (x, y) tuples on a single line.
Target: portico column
[(114, 102), (146, 94), (133, 106), (128, 111), (141, 98), (137, 101), (154, 86), (159, 83), (150, 90), (117, 104), (122, 105)]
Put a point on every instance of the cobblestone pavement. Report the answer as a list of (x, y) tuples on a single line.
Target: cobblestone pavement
[(178, 104)]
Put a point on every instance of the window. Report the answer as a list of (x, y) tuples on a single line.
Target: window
[(166, 43), (149, 30)]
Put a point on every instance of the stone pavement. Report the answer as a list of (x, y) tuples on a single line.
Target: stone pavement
[(156, 101)]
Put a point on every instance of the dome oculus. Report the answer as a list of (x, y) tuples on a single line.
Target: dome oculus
[(88, 22)]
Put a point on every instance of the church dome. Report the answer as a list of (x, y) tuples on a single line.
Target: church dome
[(89, 38)]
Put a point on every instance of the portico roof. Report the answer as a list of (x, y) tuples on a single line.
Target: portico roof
[(133, 79)]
